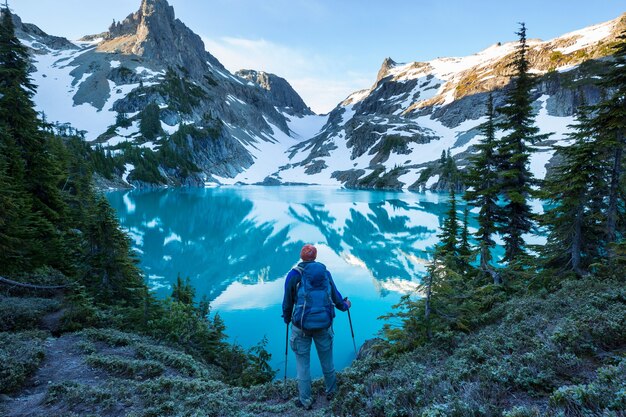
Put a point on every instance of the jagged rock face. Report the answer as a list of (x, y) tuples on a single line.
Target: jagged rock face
[(104, 85), (39, 39), (280, 92), (155, 34)]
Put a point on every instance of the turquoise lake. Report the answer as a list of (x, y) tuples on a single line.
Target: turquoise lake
[(237, 244)]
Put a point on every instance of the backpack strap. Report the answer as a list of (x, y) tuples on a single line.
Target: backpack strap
[(300, 270)]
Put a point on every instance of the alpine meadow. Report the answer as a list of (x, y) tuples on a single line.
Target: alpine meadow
[(455, 233)]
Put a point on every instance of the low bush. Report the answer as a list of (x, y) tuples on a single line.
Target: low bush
[(20, 355), (181, 362), (606, 395), (126, 367), (533, 356), (17, 313)]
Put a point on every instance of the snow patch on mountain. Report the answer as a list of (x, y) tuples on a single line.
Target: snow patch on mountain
[(587, 36), (305, 127)]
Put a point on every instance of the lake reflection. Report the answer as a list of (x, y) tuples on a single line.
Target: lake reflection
[(238, 243)]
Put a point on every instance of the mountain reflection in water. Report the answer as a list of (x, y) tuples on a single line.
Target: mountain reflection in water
[(236, 244)]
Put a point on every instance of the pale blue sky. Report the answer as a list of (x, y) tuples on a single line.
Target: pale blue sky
[(328, 48)]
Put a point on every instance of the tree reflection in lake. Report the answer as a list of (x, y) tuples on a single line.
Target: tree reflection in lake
[(225, 235)]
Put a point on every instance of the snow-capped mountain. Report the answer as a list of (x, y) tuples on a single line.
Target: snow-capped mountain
[(252, 127), (393, 134), (213, 124)]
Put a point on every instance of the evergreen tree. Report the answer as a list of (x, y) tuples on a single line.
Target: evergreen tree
[(150, 123), (18, 116), (609, 125), (514, 154), (465, 249), (32, 167), (112, 273), (442, 271), (576, 193), (482, 182), (15, 228), (447, 294), (448, 237), (121, 120), (183, 292)]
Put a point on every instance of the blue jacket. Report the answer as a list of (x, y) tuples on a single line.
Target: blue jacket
[(291, 288)]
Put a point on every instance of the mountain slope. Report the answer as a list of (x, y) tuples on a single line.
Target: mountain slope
[(252, 127), (392, 134), (282, 94), (211, 124)]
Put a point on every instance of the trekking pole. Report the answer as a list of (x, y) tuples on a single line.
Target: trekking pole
[(286, 354), (351, 329)]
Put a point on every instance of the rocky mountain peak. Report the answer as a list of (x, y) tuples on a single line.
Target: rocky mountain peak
[(388, 64), (154, 33), (151, 13), (38, 39), (281, 93)]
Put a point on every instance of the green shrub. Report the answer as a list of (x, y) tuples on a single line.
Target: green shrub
[(125, 367), (18, 313), (556, 56), (183, 363), (183, 325), (80, 311), (606, 393), (20, 355), (98, 399), (111, 337), (522, 412)]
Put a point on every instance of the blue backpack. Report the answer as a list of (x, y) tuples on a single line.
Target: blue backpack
[(314, 309)]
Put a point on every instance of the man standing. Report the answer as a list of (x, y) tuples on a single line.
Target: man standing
[(308, 304)]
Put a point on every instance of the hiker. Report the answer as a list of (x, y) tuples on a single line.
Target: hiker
[(310, 294)]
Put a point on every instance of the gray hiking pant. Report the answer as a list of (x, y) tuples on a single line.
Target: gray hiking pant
[(301, 345)]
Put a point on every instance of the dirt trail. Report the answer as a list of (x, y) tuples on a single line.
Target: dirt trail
[(63, 362)]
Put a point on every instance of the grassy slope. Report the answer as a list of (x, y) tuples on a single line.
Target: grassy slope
[(560, 353)]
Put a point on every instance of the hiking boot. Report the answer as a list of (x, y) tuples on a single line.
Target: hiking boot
[(300, 405)]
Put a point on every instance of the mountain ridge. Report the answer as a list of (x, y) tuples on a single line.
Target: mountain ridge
[(104, 85), (388, 136), (422, 108)]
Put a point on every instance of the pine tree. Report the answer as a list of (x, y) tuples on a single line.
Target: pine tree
[(443, 269), (514, 153), (18, 115), (576, 193), (482, 192), (15, 220), (445, 288), (183, 291), (450, 172), (112, 274), (448, 237), (41, 174), (150, 124), (465, 248), (609, 125)]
